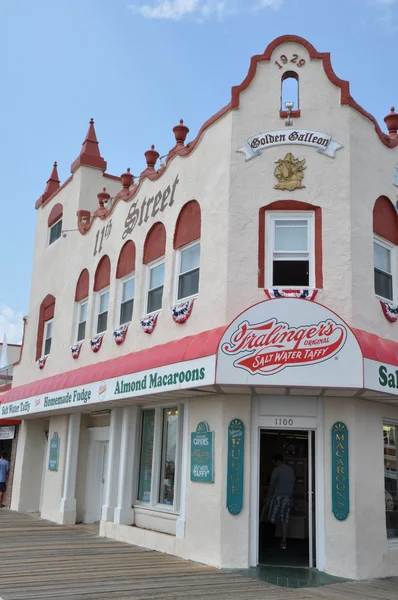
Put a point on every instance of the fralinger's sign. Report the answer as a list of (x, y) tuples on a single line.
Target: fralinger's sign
[(274, 345), (289, 341), (304, 137)]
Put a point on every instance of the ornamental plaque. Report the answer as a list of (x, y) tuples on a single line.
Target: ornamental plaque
[(289, 172), (202, 460), (54, 453), (340, 472), (236, 444)]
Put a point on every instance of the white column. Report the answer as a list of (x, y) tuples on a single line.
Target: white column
[(180, 523), (124, 513), (68, 501), (108, 508)]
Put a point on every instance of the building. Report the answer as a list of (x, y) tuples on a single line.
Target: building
[(9, 357), (187, 323)]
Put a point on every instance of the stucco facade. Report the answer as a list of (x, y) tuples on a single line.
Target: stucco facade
[(107, 422)]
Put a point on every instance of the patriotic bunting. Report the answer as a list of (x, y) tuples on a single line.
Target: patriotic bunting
[(148, 324), (303, 294), (96, 342), (390, 310), (182, 312), (76, 349), (42, 361), (120, 333)]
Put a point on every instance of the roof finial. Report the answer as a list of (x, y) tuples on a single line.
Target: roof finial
[(391, 121), (127, 179), (180, 131), (151, 157), (53, 184), (103, 197), (90, 155)]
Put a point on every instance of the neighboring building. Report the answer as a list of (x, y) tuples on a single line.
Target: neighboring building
[(9, 357), (268, 201)]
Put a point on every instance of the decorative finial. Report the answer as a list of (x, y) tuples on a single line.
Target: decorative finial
[(391, 121), (180, 131), (127, 179), (103, 197), (151, 157)]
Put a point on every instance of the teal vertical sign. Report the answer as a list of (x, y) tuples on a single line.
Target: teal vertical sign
[(202, 462), (236, 445), (54, 453), (340, 472)]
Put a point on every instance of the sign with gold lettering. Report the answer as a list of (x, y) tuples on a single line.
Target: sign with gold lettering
[(202, 468), (236, 446), (340, 472)]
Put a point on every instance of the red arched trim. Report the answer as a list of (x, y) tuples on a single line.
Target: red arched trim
[(126, 262), (188, 225), (82, 286), (385, 220), (55, 214), (290, 205), (102, 274), (155, 243), (46, 312)]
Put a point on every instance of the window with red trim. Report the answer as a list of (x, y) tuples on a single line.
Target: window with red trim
[(45, 328), (154, 251), (81, 300), (125, 273), (290, 94), (187, 245), (385, 230), (101, 287), (55, 223), (290, 245)]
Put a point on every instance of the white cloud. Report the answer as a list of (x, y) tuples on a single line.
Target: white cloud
[(199, 10), (11, 324)]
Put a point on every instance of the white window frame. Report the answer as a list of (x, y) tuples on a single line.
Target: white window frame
[(49, 233), (390, 247), (97, 307), (46, 324), (178, 273), (270, 218), (123, 280), (78, 310), (150, 266), (393, 541), (154, 503)]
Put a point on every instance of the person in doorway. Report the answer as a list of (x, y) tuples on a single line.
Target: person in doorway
[(4, 470), (281, 495)]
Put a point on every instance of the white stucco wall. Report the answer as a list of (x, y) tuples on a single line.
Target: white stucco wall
[(54, 480)]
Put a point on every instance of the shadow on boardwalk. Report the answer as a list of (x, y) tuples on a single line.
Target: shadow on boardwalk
[(41, 560)]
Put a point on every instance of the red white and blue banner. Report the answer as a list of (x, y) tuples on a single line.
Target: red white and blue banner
[(42, 361), (75, 349), (390, 310), (148, 323), (96, 342), (120, 333), (181, 312), (307, 294)]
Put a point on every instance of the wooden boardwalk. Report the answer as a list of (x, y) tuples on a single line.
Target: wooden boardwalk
[(40, 560)]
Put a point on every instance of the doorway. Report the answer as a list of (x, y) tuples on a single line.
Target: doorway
[(297, 450), (97, 462)]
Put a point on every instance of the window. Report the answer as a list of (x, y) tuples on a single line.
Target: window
[(55, 232), (81, 320), (48, 332), (102, 320), (290, 250), (290, 90), (159, 458), (155, 287), (127, 300), (383, 269), (390, 479), (188, 278)]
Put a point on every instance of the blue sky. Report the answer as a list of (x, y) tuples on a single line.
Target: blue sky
[(137, 67)]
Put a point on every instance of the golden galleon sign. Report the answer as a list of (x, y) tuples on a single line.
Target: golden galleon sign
[(289, 173)]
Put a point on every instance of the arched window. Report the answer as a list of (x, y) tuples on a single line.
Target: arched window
[(81, 299), (187, 245), (290, 245), (154, 251), (290, 94), (102, 280), (385, 238), (125, 273), (55, 223), (45, 328)]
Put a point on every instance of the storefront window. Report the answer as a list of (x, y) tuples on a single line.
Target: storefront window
[(148, 427), (169, 451), (390, 479)]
